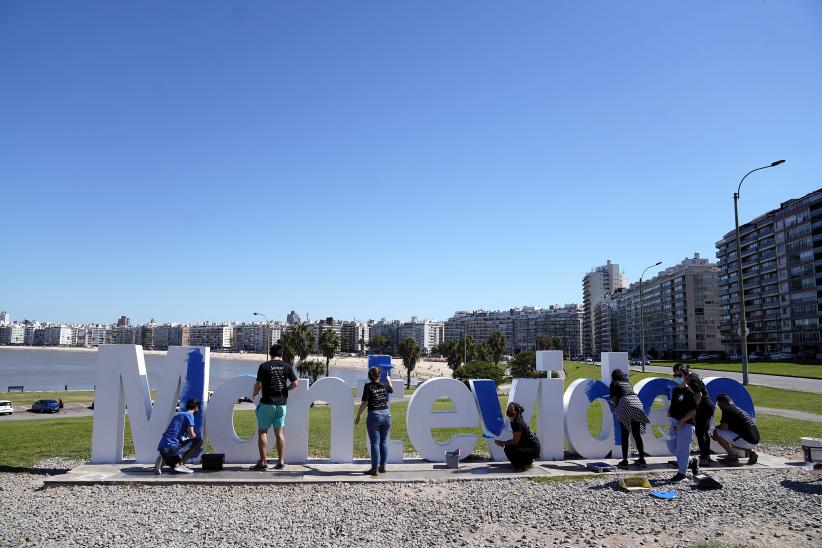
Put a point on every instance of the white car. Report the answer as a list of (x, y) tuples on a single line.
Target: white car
[(6, 407)]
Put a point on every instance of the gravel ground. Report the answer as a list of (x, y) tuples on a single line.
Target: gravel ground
[(768, 508)]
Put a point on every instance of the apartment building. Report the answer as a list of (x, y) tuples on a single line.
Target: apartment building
[(56, 335), (171, 335), (681, 310), (12, 334), (353, 336), (781, 254), (597, 285), (215, 336), (520, 326), (427, 333)]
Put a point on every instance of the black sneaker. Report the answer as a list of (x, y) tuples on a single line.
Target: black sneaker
[(695, 466), (259, 467), (371, 472), (705, 462), (640, 462), (279, 466), (623, 464), (381, 469), (677, 478)]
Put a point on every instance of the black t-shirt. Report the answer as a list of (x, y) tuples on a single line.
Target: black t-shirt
[(683, 400), (275, 376), (527, 437), (376, 395), (695, 383), (619, 389), (740, 423)]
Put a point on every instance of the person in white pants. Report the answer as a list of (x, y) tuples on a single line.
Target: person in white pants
[(682, 412)]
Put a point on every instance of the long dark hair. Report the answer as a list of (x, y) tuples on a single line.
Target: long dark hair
[(374, 374), (518, 409)]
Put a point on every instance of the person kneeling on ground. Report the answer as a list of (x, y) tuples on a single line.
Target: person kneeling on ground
[(630, 414), (179, 441), (523, 447), (737, 430), (378, 420)]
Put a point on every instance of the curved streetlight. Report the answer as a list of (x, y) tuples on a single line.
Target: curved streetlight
[(642, 318), (264, 333), (743, 324)]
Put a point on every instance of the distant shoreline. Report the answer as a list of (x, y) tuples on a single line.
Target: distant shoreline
[(423, 370)]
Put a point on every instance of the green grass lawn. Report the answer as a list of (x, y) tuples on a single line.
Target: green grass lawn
[(762, 395), (24, 443), (786, 369)]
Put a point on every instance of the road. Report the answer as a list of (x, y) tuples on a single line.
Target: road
[(773, 381)]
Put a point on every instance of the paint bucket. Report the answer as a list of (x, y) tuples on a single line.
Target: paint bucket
[(452, 459), (812, 448)]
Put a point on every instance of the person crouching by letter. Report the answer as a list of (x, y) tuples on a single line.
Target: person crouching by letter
[(378, 421), (682, 411), (523, 447), (736, 430), (630, 414), (179, 441), (274, 379)]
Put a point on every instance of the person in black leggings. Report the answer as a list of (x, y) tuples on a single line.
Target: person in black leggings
[(630, 414), (524, 446)]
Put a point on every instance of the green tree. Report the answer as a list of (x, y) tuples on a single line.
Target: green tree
[(524, 366), (377, 343), (409, 351), (288, 344), (311, 369), (482, 352), (497, 345), (544, 341), (451, 351), (329, 343), (302, 340), (480, 370)]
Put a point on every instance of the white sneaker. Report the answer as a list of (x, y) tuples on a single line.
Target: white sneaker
[(158, 466), (182, 469)]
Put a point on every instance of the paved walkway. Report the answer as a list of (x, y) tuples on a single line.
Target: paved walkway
[(790, 414), (321, 471), (773, 381)]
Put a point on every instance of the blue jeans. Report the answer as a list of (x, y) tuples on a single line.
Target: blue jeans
[(378, 424), (679, 443)]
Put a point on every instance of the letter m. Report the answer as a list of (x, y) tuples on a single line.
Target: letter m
[(122, 383)]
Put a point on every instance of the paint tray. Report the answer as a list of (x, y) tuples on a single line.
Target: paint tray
[(634, 483), (600, 467)]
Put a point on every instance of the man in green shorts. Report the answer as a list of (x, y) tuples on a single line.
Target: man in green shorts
[(274, 378)]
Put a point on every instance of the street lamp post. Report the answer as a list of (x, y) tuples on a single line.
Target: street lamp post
[(642, 318), (267, 322), (743, 324)]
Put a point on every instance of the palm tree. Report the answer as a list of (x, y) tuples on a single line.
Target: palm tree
[(329, 342), (378, 342), (496, 342), (289, 345), (409, 350), (301, 340)]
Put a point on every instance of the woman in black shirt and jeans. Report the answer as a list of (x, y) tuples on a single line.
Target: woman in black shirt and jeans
[(378, 421), (523, 447)]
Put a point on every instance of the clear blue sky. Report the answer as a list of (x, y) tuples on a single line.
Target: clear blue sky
[(196, 160)]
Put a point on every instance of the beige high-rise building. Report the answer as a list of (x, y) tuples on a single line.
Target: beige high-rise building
[(597, 285)]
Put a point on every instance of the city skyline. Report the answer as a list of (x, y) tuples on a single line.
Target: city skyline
[(194, 163)]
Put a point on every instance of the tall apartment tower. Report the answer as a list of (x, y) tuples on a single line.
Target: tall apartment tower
[(293, 318), (781, 261), (596, 286)]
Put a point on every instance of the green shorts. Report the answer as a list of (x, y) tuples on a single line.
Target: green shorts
[(269, 416)]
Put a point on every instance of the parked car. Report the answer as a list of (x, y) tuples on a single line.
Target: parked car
[(46, 406), (781, 356), (6, 407), (589, 361)]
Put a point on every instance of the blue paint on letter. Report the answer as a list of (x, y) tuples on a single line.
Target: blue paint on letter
[(193, 387), (485, 391)]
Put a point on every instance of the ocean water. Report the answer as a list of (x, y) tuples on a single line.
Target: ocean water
[(37, 369)]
